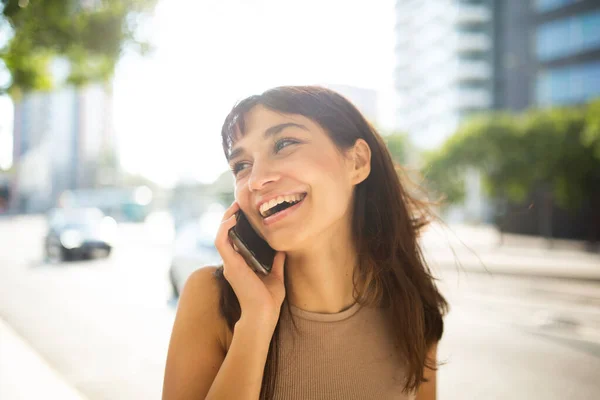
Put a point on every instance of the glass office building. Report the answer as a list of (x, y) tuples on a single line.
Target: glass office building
[(546, 52), (443, 69)]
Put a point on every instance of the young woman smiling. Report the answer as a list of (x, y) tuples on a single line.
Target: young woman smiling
[(350, 309)]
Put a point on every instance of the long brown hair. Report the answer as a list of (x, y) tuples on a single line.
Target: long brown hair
[(386, 221)]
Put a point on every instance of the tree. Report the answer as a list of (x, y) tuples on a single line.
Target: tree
[(591, 135), (556, 147), (398, 144), (489, 143), (90, 34), (591, 139), (555, 151)]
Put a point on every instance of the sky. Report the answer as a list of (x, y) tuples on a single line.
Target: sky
[(169, 106)]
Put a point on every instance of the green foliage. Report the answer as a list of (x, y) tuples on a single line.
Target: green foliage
[(398, 145), (560, 160), (591, 135), (90, 34), (489, 143), (558, 149)]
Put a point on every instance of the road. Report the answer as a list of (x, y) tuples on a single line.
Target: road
[(104, 325)]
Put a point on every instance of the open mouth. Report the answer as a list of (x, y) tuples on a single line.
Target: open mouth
[(280, 203)]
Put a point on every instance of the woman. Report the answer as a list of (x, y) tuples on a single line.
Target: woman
[(349, 310)]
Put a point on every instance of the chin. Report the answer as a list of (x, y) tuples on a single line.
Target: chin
[(279, 245), (283, 243)]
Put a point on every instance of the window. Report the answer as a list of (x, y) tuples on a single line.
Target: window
[(568, 36), (568, 85), (472, 85), (470, 28), (549, 5), (473, 55)]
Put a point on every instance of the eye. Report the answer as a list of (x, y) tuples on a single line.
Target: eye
[(239, 167), (282, 143)]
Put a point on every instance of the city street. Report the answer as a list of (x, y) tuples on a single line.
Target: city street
[(121, 131), (104, 325)]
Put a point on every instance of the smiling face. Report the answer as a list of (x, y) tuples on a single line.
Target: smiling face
[(291, 181)]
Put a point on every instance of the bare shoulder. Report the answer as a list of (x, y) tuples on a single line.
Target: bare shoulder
[(198, 340), (199, 302), (202, 283)]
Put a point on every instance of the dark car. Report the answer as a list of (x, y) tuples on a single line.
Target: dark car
[(79, 233), (194, 247)]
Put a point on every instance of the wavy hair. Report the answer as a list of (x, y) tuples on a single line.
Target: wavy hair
[(386, 221)]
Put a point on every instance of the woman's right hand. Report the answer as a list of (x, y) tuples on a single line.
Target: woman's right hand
[(260, 296)]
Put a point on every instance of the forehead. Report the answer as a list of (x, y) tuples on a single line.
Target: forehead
[(254, 124), (260, 118)]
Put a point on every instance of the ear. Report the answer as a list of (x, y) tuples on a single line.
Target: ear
[(360, 161)]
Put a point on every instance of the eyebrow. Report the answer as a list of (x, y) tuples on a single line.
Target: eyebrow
[(272, 131)]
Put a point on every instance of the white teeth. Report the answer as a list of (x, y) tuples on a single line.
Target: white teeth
[(280, 199)]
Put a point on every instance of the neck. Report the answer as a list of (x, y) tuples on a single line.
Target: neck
[(320, 277)]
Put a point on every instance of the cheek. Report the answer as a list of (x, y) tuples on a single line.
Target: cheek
[(242, 196), (325, 163), (334, 188)]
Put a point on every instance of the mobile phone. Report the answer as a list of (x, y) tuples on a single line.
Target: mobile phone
[(255, 250)]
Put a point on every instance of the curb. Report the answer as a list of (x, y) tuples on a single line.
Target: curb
[(24, 374), (490, 268)]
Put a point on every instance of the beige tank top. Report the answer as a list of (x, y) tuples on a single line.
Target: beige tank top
[(346, 356)]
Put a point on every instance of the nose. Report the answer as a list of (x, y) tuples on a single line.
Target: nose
[(261, 175)]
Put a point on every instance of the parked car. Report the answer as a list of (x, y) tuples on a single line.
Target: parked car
[(194, 247), (78, 233)]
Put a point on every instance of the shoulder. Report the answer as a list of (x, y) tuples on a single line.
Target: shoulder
[(202, 283), (197, 346), (199, 304)]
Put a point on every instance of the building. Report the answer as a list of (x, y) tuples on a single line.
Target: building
[(443, 70), (547, 52), (59, 143), (455, 58), (443, 75)]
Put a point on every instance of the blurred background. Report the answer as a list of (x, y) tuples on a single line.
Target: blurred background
[(112, 178)]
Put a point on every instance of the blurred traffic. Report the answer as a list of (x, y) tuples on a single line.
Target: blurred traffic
[(194, 246), (79, 233)]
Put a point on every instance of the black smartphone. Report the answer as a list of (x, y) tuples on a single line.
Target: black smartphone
[(255, 250)]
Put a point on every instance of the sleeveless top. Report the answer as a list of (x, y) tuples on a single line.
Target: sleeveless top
[(344, 356)]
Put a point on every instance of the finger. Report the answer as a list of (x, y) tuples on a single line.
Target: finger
[(234, 265), (227, 224), (223, 231), (231, 210), (235, 269), (222, 242)]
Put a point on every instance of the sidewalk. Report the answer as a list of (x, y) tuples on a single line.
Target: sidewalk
[(478, 249), (24, 375)]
